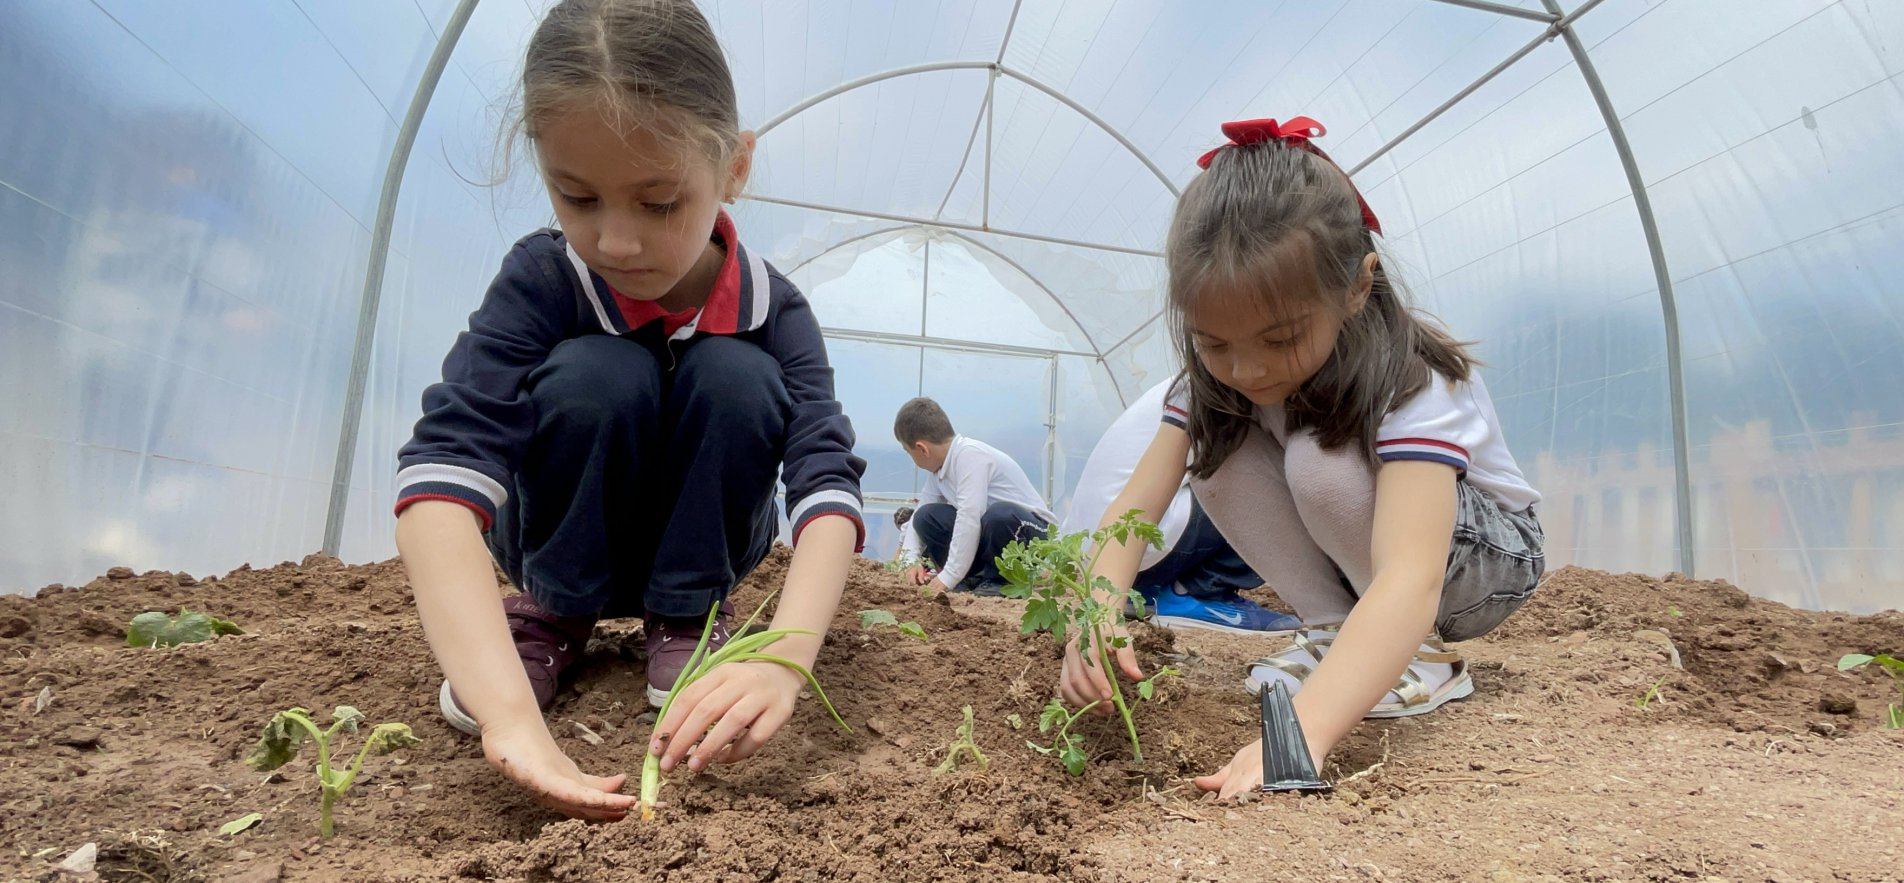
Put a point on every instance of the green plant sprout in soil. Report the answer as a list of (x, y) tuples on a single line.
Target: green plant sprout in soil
[(743, 648), (1894, 717), (870, 618), (1652, 693), (1053, 575), (288, 729), (965, 745), (155, 629)]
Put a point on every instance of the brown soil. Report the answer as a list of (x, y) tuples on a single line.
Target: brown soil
[(1757, 760)]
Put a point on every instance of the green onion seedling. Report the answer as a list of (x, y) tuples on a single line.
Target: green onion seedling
[(742, 648)]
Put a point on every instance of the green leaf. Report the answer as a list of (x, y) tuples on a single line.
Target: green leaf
[(347, 716), (280, 740), (155, 629), (1894, 664), (1145, 689), (914, 629), (240, 823), (391, 737), (1054, 713), (1850, 661), (1072, 756), (1017, 723), (870, 618)]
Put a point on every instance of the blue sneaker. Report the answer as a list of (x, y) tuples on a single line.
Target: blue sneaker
[(1228, 612)]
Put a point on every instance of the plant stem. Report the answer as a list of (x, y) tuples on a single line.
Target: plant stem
[(1117, 693), (324, 821)]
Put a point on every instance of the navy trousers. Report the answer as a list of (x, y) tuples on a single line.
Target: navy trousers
[(1001, 524), (1202, 562), (646, 488)]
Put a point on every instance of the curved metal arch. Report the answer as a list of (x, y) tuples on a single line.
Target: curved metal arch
[(1000, 69), (1096, 352)]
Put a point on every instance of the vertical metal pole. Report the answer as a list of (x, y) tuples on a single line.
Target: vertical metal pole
[(1051, 437), (1669, 309), (373, 274), (991, 110)]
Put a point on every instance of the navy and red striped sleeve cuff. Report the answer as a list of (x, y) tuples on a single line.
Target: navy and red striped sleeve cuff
[(453, 484), (1429, 449), (828, 502)]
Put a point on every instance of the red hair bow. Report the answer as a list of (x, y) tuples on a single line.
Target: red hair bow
[(1295, 133)]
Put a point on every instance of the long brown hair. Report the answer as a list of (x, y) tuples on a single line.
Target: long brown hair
[(654, 64), (1236, 228)]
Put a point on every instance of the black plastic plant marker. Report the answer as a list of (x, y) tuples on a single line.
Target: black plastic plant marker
[(1286, 762)]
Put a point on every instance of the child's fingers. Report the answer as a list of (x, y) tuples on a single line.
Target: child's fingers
[(1127, 662), (575, 799), (1213, 781), (741, 714), (695, 722), (606, 784), (764, 727), (684, 702)]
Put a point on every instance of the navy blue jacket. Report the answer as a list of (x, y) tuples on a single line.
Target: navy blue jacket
[(477, 422)]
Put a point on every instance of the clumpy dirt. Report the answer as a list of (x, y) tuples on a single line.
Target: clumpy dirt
[(1756, 760)]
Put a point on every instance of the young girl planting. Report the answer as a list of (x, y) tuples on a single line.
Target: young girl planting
[(1345, 447), (611, 426)]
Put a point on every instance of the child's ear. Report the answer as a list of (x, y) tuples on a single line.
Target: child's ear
[(740, 167), (1364, 283)]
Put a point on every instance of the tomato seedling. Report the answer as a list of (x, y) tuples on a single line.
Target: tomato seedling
[(289, 728)]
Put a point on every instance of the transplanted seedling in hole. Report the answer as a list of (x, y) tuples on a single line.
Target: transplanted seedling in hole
[(1053, 574), (1894, 719), (870, 618), (742, 648), (965, 745), (288, 729), (156, 629)]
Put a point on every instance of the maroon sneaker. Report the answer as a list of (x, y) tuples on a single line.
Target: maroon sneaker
[(548, 645), (670, 641)]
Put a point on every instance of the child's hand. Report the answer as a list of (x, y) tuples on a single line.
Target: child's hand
[(1243, 773), (528, 755), (1081, 682), (919, 576), (745, 704)]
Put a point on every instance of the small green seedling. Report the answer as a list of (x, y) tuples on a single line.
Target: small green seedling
[(1652, 693), (1894, 718), (1017, 723), (240, 823), (1054, 575), (870, 618), (288, 729), (155, 629), (1068, 746), (900, 562), (743, 648), (1673, 611), (963, 745)]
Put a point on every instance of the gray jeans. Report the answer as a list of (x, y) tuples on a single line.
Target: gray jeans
[(1494, 564)]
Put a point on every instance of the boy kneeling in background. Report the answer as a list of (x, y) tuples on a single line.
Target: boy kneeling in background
[(976, 501)]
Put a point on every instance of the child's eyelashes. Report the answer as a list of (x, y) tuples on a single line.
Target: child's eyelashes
[(578, 201), (661, 208)]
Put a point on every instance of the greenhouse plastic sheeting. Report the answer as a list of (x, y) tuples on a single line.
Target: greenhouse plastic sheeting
[(188, 194)]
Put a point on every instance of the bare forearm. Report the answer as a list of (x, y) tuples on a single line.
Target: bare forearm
[(1375, 646), (460, 606), (814, 582)]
